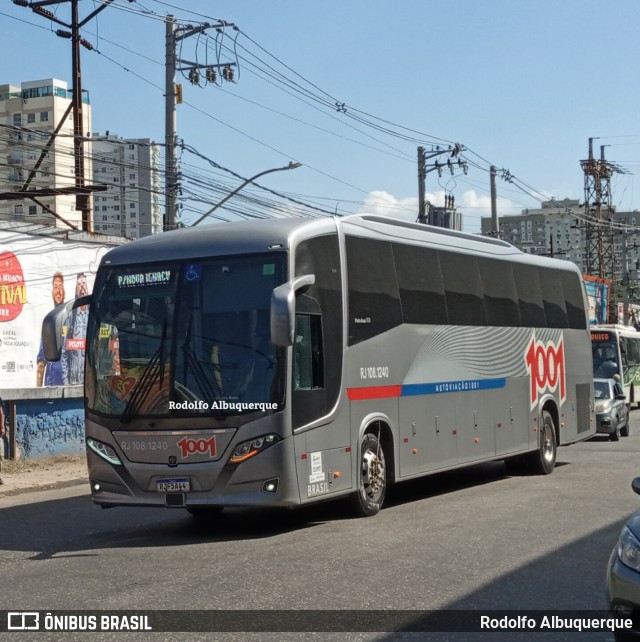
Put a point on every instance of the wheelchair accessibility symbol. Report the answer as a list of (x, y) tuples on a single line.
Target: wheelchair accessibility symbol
[(193, 272)]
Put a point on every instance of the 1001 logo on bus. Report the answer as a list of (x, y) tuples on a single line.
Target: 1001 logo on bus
[(545, 365), (190, 446)]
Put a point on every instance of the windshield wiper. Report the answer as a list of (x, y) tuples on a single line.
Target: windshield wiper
[(152, 372), (198, 371)]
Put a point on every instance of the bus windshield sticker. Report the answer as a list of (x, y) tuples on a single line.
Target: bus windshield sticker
[(193, 272), (157, 277), (268, 269)]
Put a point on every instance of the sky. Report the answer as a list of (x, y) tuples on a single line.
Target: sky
[(350, 89)]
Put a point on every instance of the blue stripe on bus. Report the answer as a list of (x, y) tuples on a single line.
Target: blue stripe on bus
[(411, 389)]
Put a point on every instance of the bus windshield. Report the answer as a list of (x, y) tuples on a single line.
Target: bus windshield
[(604, 349), (185, 337)]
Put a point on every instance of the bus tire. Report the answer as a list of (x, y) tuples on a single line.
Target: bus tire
[(543, 460), (372, 477)]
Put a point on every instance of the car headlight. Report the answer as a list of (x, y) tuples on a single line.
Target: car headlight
[(603, 406), (629, 549)]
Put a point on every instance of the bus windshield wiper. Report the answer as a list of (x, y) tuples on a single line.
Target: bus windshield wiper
[(198, 371), (153, 371)]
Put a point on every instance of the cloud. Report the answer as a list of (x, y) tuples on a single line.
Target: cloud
[(472, 205)]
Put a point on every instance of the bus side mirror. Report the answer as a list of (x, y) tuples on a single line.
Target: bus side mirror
[(283, 309), (52, 327)]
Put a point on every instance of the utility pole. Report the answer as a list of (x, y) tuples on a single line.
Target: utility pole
[(422, 177), (424, 169), (83, 201), (170, 136), (599, 229), (173, 94), (495, 229)]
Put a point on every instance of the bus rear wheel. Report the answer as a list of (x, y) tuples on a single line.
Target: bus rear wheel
[(543, 460), (372, 477)]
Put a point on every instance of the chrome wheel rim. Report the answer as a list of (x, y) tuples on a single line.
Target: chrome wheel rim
[(547, 443), (373, 474)]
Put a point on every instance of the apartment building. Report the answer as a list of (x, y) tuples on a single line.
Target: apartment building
[(557, 229), (29, 115), (130, 168)]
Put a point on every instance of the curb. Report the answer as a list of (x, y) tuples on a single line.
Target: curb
[(10, 492)]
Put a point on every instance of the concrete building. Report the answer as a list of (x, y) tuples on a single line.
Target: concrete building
[(131, 169), (29, 114), (557, 229)]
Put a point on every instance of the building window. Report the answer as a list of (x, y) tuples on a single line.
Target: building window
[(17, 209), (132, 206), (33, 210), (31, 118), (44, 116)]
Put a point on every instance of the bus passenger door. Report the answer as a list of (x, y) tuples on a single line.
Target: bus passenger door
[(322, 454)]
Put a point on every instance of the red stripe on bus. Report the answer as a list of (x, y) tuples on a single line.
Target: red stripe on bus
[(373, 392)]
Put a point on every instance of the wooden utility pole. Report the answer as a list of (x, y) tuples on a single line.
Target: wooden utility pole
[(83, 201)]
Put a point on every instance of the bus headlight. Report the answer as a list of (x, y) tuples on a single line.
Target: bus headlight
[(252, 447), (629, 549), (105, 451)]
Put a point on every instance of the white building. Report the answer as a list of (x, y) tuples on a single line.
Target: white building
[(130, 168), (29, 115)]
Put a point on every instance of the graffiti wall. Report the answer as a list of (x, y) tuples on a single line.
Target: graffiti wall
[(45, 428), (37, 273)]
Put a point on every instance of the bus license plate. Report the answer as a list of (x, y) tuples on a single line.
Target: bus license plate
[(173, 485)]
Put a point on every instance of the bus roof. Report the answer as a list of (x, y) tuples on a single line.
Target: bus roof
[(246, 237)]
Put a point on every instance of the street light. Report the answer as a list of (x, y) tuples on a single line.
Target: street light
[(291, 165)]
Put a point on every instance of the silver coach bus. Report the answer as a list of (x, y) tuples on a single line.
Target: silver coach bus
[(283, 362)]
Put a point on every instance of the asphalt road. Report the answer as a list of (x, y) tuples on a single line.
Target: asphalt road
[(476, 539)]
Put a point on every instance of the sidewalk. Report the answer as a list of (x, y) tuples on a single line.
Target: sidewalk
[(42, 473)]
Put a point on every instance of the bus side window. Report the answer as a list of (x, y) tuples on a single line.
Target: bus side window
[(623, 351), (308, 373)]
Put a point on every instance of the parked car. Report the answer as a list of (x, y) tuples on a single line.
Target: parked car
[(612, 412), (623, 572)]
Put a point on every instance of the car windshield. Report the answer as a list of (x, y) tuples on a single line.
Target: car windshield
[(186, 338), (602, 390)]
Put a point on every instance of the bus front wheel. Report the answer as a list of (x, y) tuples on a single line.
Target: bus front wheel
[(372, 477), (543, 460)]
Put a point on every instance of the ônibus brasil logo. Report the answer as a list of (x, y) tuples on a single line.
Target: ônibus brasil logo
[(545, 365)]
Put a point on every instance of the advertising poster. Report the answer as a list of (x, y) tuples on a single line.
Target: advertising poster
[(37, 273), (597, 297)]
